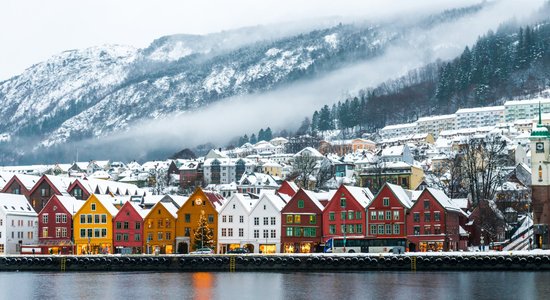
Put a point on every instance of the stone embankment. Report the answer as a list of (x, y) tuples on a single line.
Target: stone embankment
[(250, 262)]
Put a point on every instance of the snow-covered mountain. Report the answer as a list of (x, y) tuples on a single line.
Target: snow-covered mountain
[(81, 94)]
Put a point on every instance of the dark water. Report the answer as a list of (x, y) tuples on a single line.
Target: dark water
[(359, 285)]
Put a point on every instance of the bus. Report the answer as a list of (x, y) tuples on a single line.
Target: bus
[(365, 245)]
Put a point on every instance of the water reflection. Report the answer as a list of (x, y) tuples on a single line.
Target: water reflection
[(242, 286)]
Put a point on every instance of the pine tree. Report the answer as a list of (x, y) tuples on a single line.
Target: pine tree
[(203, 235), (261, 135), (253, 139), (268, 134)]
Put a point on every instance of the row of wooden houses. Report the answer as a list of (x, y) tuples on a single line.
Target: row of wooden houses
[(289, 220)]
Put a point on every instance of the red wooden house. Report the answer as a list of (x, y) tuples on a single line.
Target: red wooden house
[(302, 223), (433, 223), (128, 229), (387, 213), (55, 224), (20, 184), (46, 187), (344, 214)]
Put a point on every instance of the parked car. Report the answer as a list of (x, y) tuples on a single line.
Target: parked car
[(202, 251), (238, 251)]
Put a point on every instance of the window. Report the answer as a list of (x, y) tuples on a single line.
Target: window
[(350, 215), (118, 237), (289, 231), (82, 233), (160, 223), (224, 232), (300, 203), (103, 232), (266, 233), (118, 225), (312, 219), (427, 230), (126, 225), (224, 219), (386, 201), (426, 204), (256, 233), (63, 218), (149, 237), (168, 235), (266, 221), (342, 202), (396, 215), (416, 217), (388, 228), (64, 232), (427, 217), (44, 192), (437, 230), (388, 214), (187, 231), (230, 219), (380, 229), (241, 232), (416, 230), (241, 219), (342, 228), (96, 219), (57, 218), (331, 216), (230, 232), (168, 223), (380, 215), (332, 229), (97, 233), (297, 219), (45, 232), (125, 237), (45, 218), (358, 215), (138, 226), (373, 229), (273, 221), (159, 235), (342, 215), (273, 233), (373, 215), (137, 237), (297, 231), (90, 232), (93, 206), (256, 221), (437, 216), (210, 218), (359, 228), (187, 218)]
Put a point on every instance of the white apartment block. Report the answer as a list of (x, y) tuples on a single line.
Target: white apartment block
[(226, 170), (525, 109), (479, 116), (398, 130), (233, 222), (436, 124), (18, 224), (265, 224)]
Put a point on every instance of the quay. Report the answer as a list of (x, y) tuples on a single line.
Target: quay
[(486, 261)]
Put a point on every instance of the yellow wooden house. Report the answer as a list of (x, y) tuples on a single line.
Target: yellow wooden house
[(159, 228), (93, 225), (200, 202)]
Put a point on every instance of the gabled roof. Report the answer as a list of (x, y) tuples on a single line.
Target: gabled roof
[(274, 199), (170, 207), (314, 198), (58, 183), (27, 181), (71, 204), (14, 204), (141, 212), (444, 200), (244, 199), (215, 199), (108, 202), (359, 194), (401, 194)]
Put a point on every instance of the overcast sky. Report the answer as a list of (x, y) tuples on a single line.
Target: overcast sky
[(33, 30)]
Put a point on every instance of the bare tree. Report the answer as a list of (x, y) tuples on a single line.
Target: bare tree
[(303, 167), (482, 163), (325, 173)]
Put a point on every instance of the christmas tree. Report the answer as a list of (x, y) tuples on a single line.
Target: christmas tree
[(204, 235)]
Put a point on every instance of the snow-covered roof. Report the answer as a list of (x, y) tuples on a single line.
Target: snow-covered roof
[(314, 198), (274, 199), (480, 109), (61, 183), (359, 194), (108, 202), (140, 210), (311, 151), (401, 194), (393, 150), (444, 200), (15, 204), (70, 203), (27, 180)]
